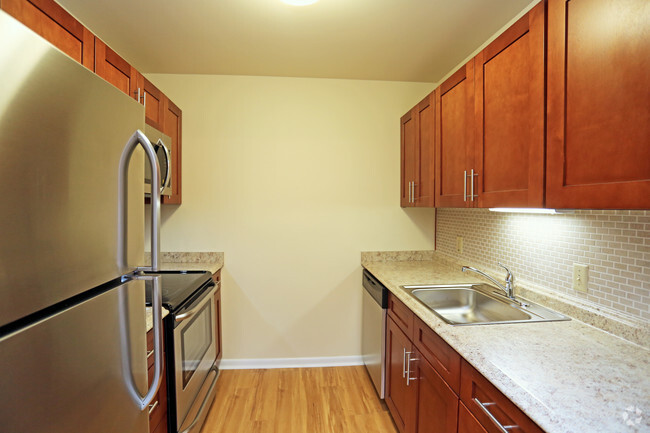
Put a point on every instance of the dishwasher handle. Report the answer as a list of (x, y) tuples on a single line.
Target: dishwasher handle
[(376, 289)]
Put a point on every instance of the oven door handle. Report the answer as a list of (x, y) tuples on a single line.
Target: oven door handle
[(186, 315), (205, 400)]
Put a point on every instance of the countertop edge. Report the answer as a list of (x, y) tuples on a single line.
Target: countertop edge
[(534, 405)]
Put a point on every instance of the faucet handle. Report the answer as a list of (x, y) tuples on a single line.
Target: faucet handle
[(510, 278)]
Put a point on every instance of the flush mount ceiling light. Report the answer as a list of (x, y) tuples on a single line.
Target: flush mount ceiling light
[(299, 2), (530, 210)]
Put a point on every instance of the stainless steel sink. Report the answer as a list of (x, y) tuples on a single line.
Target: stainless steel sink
[(479, 304)]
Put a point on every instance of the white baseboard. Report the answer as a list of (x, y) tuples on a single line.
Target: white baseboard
[(328, 361)]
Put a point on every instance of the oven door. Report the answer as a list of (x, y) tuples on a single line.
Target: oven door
[(195, 350)]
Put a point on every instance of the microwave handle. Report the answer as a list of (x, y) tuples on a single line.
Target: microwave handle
[(165, 179)]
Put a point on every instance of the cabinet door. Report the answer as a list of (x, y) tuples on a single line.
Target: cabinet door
[(598, 104), (437, 403), (401, 397), (509, 102), (172, 126), (408, 141), (423, 187), (466, 421), (217, 308), (55, 24), (153, 101), (114, 69), (454, 138)]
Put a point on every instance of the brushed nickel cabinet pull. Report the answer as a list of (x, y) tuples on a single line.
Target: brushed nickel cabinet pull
[(153, 407), (465, 185), (484, 408)]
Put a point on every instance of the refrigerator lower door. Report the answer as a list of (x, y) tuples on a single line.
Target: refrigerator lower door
[(80, 370)]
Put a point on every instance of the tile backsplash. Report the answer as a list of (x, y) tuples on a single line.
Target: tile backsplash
[(541, 249)]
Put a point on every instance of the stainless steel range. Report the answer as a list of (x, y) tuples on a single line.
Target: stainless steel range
[(191, 346)]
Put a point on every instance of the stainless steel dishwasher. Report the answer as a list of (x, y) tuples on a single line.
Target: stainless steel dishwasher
[(373, 331)]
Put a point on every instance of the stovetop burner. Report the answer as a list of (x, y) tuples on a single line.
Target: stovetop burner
[(177, 286)]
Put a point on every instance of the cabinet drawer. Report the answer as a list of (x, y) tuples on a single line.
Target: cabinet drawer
[(466, 421), (401, 314), (158, 407), (150, 357), (216, 277), (444, 359), (490, 406), (161, 428)]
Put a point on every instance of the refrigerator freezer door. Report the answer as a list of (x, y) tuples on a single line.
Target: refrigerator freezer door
[(80, 370), (62, 131)]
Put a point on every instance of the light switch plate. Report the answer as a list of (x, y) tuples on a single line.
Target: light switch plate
[(580, 277), (459, 244)]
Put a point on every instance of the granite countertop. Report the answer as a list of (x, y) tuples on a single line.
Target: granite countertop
[(181, 261), (568, 377), (149, 316)]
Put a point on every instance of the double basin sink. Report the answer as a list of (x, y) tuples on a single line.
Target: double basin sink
[(479, 304)]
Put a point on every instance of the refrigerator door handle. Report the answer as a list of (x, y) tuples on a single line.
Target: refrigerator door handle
[(138, 137), (144, 401)]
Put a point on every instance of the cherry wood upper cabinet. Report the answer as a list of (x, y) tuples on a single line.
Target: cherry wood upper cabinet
[(56, 25), (408, 139), (114, 69), (154, 103), (454, 138), (598, 127), (423, 191), (509, 114), (417, 155), (172, 126)]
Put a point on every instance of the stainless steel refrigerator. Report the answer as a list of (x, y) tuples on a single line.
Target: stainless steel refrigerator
[(72, 309)]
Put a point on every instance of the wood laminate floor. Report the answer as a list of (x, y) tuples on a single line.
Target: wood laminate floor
[(305, 400)]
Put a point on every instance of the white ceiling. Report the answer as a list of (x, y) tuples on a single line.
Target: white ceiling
[(395, 40)]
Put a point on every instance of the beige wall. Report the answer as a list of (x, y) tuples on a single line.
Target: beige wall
[(291, 178)]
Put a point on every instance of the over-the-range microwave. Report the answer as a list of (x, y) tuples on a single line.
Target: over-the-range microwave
[(162, 144)]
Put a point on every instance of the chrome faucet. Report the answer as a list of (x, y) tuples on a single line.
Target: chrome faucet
[(509, 288)]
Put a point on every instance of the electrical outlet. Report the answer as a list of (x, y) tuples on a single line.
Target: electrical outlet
[(459, 244), (580, 277)]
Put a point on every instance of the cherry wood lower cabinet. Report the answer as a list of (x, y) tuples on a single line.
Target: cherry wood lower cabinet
[(491, 408), (437, 410), (430, 388), (216, 277), (401, 396), (466, 421), (417, 396), (158, 407)]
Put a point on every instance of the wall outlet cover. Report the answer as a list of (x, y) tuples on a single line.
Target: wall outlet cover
[(580, 277)]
